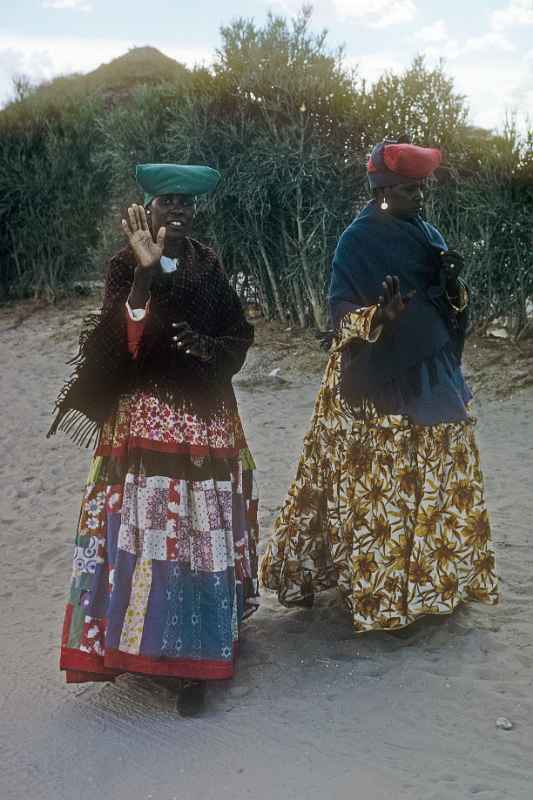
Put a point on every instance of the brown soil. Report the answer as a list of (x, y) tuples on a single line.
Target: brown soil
[(495, 368)]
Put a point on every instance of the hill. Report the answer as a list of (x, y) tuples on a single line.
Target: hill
[(111, 81)]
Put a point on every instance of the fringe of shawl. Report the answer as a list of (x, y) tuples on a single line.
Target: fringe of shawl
[(77, 426), (103, 368), (409, 385), (70, 421), (83, 428)]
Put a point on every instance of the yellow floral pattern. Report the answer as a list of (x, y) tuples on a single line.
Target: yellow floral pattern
[(391, 513), (130, 640)]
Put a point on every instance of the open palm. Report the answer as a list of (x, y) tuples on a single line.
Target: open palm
[(147, 252), (392, 303)]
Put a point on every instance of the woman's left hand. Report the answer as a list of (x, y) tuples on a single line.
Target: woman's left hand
[(189, 342)]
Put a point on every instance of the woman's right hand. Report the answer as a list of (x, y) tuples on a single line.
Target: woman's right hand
[(147, 252), (391, 303)]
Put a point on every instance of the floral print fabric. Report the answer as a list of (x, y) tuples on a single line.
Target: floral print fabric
[(391, 513)]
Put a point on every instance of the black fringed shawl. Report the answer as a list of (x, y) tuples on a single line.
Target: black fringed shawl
[(198, 293), (373, 246)]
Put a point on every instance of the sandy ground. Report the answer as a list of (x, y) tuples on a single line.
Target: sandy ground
[(314, 711)]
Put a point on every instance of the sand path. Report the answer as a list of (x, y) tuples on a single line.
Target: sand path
[(314, 711)]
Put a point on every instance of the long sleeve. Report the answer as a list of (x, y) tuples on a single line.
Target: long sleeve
[(355, 325), (135, 322)]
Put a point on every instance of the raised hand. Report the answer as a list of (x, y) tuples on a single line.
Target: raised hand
[(392, 303), (147, 252)]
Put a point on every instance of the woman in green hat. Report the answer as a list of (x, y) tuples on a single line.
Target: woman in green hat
[(164, 565)]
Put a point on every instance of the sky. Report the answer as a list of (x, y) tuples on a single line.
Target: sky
[(487, 45)]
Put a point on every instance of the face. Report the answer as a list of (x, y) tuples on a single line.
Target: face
[(175, 212), (406, 199)]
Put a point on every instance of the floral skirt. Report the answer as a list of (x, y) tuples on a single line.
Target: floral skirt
[(391, 513), (165, 563)]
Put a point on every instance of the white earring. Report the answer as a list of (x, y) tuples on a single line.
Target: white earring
[(384, 205)]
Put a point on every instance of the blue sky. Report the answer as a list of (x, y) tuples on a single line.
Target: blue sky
[(487, 44)]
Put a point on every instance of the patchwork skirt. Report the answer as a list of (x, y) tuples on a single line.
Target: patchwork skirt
[(164, 567)]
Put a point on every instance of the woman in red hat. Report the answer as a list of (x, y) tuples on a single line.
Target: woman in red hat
[(388, 500)]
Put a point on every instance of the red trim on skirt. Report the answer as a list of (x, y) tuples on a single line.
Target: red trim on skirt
[(81, 667), (140, 443)]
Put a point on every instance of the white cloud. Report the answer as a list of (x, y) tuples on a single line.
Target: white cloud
[(79, 5), (15, 63), (379, 13), (513, 92), (517, 12), (448, 50), (453, 49), (437, 32), (489, 42), (288, 7), (476, 74), (371, 67)]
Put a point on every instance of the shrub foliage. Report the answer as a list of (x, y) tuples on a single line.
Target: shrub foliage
[(290, 129)]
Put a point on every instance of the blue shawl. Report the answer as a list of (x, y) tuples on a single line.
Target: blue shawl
[(373, 246)]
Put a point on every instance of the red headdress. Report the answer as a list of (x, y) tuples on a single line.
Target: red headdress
[(390, 164)]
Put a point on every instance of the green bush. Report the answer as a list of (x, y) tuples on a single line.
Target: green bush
[(50, 198), (290, 130)]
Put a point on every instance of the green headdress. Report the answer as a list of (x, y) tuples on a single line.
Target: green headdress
[(158, 179)]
